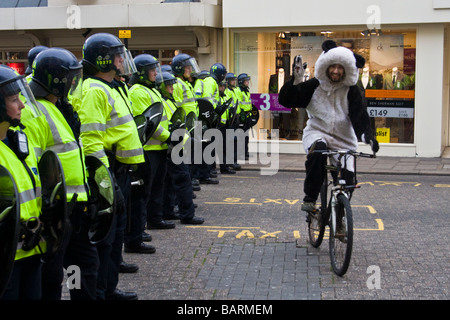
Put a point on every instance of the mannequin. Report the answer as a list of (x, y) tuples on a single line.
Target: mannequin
[(365, 78), (302, 111), (280, 119), (393, 80), (280, 77)]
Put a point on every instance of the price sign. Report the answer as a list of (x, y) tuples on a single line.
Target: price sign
[(390, 108)]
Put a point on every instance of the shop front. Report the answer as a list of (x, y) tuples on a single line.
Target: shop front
[(404, 81)]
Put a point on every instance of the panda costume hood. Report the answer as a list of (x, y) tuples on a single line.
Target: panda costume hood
[(336, 55), (335, 110)]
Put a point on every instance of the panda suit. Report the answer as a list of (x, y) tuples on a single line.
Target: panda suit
[(337, 116)]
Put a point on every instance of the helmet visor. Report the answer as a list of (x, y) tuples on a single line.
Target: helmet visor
[(19, 100), (157, 68), (75, 92), (191, 62), (124, 63)]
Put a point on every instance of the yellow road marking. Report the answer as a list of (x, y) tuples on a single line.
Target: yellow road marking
[(255, 203)]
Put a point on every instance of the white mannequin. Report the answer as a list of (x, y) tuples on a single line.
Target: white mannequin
[(394, 75), (365, 77), (280, 78)]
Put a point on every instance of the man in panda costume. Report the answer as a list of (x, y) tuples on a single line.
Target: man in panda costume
[(337, 116)]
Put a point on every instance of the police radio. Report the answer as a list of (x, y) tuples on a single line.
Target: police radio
[(19, 143)]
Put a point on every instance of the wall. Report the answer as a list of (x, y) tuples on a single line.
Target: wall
[(269, 13)]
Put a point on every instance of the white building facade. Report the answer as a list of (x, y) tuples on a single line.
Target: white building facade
[(406, 45)]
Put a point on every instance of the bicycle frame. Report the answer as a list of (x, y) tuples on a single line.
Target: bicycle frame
[(340, 185), (336, 211)]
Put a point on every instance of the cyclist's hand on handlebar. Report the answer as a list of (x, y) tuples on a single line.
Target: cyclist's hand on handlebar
[(374, 145)]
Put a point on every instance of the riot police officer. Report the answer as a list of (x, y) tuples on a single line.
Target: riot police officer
[(57, 75), (108, 132), (178, 183), (143, 95), (245, 103), (17, 156)]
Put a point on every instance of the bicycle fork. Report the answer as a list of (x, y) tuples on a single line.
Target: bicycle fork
[(338, 225)]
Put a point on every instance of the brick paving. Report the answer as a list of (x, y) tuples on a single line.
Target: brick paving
[(254, 246)]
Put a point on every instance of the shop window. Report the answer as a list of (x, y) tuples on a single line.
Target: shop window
[(16, 60), (387, 82), (164, 56)]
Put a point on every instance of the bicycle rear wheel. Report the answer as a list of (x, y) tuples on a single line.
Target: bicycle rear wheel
[(341, 236), (317, 220)]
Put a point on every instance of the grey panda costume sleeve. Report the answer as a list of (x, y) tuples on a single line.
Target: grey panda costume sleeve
[(336, 112)]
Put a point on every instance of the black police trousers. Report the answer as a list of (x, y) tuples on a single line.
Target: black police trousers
[(178, 188)]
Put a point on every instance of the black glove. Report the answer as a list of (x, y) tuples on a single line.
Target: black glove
[(373, 143)]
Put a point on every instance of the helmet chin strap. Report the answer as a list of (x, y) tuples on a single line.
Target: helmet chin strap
[(14, 122)]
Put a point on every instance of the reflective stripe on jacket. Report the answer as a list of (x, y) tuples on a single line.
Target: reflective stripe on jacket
[(106, 120), (58, 137), (244, 99), (208, 89), (142, 97), (30, 201), (183, 94)]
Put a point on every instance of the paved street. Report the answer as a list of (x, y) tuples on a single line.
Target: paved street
[(254, 243)]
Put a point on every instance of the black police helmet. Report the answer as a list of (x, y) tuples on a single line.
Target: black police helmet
[(218, 72), (32, 55), (53, 72), (99, 51), (8, 87)]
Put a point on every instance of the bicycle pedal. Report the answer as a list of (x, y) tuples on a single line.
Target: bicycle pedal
[(341, 237)]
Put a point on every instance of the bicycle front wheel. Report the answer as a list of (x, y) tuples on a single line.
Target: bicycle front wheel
[(341, 235)]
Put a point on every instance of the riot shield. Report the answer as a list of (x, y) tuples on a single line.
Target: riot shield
[(178, 120), (153, 114), (55, 215), (220, 109), (9, 226), (252, 118), (205, 112), (102, 194), (232, 118), (141, 124), (191, 118)]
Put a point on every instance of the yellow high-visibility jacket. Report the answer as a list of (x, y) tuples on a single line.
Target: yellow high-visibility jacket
[(183, 94), (106, 120), (143, 97), (54, 133), (208, 89), (29, 198)]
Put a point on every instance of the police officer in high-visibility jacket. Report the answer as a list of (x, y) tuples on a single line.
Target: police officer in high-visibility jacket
[(56, 75), (108, 132), (185, 68), (178, 181), (19, 159), (231, 93), (245, 103), (143, 94)]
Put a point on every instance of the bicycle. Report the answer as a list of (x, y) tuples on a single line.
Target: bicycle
[(335, 212)]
